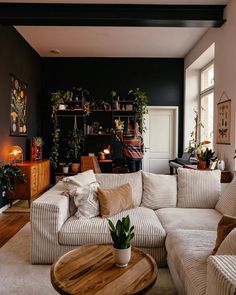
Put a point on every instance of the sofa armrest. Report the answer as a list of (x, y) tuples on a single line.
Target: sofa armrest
[(221, 275), (48, 214)]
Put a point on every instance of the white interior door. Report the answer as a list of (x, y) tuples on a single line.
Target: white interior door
[(160, 139)]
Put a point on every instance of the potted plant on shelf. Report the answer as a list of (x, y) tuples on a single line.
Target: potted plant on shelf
[(74, 148), (140, 101), (121, 234), (57, 100), (204, 158), (65, 167)]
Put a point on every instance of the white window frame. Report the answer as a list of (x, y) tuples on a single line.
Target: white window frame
[(204, 92)]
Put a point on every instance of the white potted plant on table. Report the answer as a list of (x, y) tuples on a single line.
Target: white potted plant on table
[(121, 234)]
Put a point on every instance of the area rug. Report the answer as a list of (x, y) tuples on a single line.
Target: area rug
[(19, 207), (19, 277)]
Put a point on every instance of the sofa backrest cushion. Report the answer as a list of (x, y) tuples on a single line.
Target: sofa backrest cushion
[(227, 202), (159, 191), (228, 246), (225, 226), (198, 188), (115, 180)]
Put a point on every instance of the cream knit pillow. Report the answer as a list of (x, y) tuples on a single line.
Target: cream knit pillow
[(198, 188), (159, 191)]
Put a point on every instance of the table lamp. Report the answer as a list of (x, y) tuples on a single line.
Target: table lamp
[(15, 154)]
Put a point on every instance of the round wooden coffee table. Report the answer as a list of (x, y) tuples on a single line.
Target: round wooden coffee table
[(90, 270)]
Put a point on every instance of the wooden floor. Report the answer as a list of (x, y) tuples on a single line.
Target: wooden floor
[(10, 224)]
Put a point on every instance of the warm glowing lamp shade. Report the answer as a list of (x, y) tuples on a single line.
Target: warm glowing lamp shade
[(15, 154)]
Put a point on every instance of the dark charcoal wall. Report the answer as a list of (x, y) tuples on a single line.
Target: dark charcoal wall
[(161, 78), (18, 58)]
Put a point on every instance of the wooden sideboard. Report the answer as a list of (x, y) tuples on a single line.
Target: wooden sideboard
[(37, 177)]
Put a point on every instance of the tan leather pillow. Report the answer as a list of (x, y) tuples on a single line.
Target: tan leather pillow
[(225, 226), (114, 200)]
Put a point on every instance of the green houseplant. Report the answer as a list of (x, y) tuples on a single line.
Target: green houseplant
[(8, 175), (140, 101), (205, 157), (57, 99), (122, 234)]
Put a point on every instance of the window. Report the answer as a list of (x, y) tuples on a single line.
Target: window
[(207, 103)]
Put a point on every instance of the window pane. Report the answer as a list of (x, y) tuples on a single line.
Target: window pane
[(207, 77), (207, 118)]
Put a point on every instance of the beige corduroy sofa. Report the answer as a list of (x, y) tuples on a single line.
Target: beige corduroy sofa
[(175, 221)]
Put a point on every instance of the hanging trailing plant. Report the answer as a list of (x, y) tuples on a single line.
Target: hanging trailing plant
[(140, 100), (54, 155), (57, 98), (74, 145)]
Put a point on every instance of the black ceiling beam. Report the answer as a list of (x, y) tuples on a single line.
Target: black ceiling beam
[(122, 15)]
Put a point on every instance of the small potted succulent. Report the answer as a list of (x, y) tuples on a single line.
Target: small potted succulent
[(121, 234)]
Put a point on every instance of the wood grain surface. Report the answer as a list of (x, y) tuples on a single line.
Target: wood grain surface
[(90, 270)]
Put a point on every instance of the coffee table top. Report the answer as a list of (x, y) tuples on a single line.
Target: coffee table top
[(90, 270)]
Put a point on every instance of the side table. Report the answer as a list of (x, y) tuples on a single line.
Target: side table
[(90, 270)]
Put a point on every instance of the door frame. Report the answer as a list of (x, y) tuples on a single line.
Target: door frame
[(176, 122)]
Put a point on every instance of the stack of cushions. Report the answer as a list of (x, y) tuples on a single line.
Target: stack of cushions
[(88, 200)]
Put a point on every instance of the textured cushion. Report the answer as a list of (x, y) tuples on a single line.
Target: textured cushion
[(148, 229), (226, 224), (114, 180), (221, 274), (80, 179), (227, 202), (228, 246), (198, 188), (115, 200), (188, 251), (159, 191), (188, 218), (85, 199)]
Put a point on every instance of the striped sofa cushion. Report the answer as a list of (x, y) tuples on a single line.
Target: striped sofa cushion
[(115, 180), (221, 273), (148, 229), (159, 191), (188, 251), (198, 188), (228, 246), (227, 202)]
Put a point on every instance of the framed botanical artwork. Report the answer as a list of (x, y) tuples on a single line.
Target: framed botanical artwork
[(223, 122), (18, 99)]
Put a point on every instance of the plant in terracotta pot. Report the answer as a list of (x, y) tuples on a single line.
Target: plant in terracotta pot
[(74, 148), (121, 233), (204, 158)]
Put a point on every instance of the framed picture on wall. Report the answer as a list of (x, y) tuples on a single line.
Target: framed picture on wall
[(223, 122), (18, 102)]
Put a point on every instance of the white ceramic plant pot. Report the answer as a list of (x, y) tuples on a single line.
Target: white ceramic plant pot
[(65, 169), (121, 256)]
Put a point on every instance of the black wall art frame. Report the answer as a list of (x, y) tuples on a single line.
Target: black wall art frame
[(18, 99)]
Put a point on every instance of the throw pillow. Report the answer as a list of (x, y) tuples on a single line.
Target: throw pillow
[(198, 188), (228, 246), (85, 199), (114, 180), (227, 202), (113, 201), (225, 226), (80, 179), (159, 191)]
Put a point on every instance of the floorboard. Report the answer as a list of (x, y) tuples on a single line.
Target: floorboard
[(10, 224)]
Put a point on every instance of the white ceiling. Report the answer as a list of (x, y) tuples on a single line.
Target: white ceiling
[(113, 41)]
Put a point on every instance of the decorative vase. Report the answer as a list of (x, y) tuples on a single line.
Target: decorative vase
[(202, 164), (221, 165), (65, 169), (75, 167), (121, 256)]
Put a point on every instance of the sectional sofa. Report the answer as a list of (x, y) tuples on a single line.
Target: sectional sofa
[(175, 219)]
